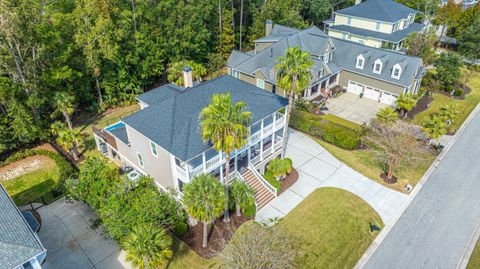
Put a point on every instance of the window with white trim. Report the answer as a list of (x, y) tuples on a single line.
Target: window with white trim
[(396, 72), (261, 83), (153, 147), (360, 61), (377, 67), (140, 159)]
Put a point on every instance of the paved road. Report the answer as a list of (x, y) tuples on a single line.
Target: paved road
[(435, 228)]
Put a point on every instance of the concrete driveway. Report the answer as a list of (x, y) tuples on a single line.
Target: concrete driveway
[(317, 168), (72, 244), (353, 108)]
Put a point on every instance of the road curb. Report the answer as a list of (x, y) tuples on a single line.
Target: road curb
[(467, 252), (388, 226)]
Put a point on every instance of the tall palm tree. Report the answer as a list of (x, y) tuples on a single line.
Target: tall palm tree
[(405, 102), (68, 139), (434, 127), (225, 125), (204, 199), (293, 75), (148, 246), (449, 112), (63, 103), (241, 194), (175, 71)]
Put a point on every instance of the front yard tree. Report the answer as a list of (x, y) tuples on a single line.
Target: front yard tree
[(421, 45), (241, 194), (280, 167), (205, 200), (394, 146), (406, 102), (387, 116), (258, 247), (293, 75), (63, 103), (449, 113), (434, 127), (448, 70), (148, 246), (225, 125)]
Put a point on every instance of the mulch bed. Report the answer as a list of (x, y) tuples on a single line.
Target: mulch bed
[(219, 235), (466, 91), (422, 104), (387, 180), (289, 180), (317, 112)]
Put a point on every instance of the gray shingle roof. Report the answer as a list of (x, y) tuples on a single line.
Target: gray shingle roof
[(346, 52), (120, 133), (312, 40), (394, 37), (173, 123), (18, 243), (381, 10), (158, 96)]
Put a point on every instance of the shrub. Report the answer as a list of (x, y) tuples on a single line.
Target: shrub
[(329, 131), (302, 105), (270, 177), (250, 210), (458, 92), (180, 228)]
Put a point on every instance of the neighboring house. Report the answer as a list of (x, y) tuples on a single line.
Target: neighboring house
[(375, 23), (465, 3), (374, 73), (163, 140), (20, 246)]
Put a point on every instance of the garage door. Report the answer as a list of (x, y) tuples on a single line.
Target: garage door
[(371, 93), (388, 99), (354, 88)]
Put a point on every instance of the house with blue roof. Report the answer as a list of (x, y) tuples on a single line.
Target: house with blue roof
[(20, 247), (163, 139), (375, 23)]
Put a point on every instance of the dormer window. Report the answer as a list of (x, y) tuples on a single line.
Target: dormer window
[(360, 61), (377, 67), (397, 71)]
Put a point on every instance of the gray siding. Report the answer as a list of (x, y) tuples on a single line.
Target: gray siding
[(345, 76)]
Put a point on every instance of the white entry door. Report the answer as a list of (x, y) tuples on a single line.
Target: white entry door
[(371, 93), (355, 88), (388, 99)]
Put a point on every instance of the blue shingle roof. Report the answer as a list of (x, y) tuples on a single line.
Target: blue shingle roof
[(18, 243), (394, 37), (173, 123), (380, 10)]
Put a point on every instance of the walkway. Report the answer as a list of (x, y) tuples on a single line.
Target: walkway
[(318, 168), (437, 228), (71, 243)]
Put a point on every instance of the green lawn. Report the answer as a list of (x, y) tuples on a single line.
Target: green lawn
[(474, 262), (331, 228), (33, 185), (466, 106), (364, 162)]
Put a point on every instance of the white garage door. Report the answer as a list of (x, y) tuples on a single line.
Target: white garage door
[(371, 93), (354, 88), (388, 99)]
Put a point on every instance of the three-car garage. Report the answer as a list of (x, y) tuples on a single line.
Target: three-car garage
[(372, 93)]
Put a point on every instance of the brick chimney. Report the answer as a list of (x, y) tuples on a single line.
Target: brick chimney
[(187, 77), (268, 27)]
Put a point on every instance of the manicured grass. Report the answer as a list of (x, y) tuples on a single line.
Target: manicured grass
[(365, 163), (331, 228), (342, 121), (466, 106), (31, 186), (474, 262)]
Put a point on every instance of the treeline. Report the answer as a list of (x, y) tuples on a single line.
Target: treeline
[(102, 53)]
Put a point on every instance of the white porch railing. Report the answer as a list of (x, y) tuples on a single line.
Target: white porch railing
[(181, 172), (268, 129), (262, 180), (278, 144), (213, 162), (255, 137), (279, 122), (256, 159)]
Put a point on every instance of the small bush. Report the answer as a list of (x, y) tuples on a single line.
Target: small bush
[(272, 180), (250, 210), (458, 92), (302, 105), (180, 228)]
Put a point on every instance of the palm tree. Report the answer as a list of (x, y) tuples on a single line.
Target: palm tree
[(387, 116), (63, 103), (449, 113), (280, 167), (148, 246), (57, 127), (225, 125), (241, 194), (68, 139), (204, 199), (405, 102), (434, 127), (293, 75), (175, 71)]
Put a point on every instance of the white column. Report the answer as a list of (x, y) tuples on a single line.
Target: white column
[(261, 149), (204, 162)]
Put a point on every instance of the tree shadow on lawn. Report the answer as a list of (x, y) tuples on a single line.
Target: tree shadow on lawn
[(45, 192)]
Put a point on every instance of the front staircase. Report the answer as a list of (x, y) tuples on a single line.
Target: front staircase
[(262, 195)]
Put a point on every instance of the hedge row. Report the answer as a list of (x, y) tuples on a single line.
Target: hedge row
[(64, 166), (333, 133)]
